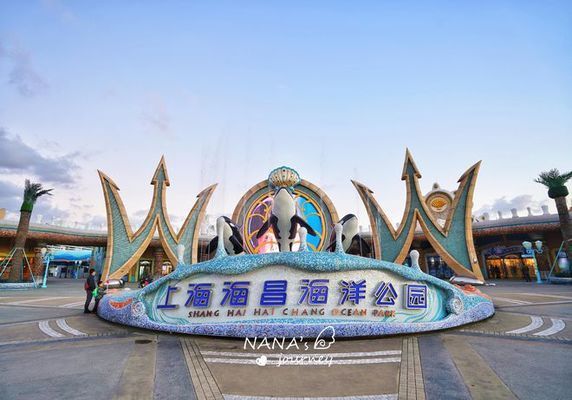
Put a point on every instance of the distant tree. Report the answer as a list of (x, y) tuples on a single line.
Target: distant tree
[(32, 192), (557, 190)]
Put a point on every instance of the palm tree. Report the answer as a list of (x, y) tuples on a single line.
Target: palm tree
[(557, 190), (32, 192)]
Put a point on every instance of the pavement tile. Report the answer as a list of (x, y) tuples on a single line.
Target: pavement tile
[(205, 385), (172, 378), (480, 379), (532, 370), (137, 378), (438, 367)]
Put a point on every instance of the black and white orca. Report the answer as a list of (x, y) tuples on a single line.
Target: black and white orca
[(284, 220), (352, 242), (233, 243)]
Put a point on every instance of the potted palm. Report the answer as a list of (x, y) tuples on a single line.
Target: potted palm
[(32, 192)]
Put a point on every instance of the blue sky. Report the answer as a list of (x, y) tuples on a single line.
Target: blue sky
[(228, 91)]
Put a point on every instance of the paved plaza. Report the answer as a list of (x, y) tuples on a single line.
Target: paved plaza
[(49, 349)]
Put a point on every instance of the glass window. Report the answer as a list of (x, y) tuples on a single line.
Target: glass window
[(438, 268)]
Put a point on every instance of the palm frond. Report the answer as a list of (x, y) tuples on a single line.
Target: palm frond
[(32, 191), (44, 192), (553, 178)]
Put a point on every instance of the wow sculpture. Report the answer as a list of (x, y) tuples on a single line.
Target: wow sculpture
[(297, 291)]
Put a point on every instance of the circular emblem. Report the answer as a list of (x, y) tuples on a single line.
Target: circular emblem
[(455, 305), (137, 309), (439, 203), (313, 205)]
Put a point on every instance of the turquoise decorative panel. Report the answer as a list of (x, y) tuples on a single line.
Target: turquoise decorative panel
[(359, 297), (124, 247), (453, 242)]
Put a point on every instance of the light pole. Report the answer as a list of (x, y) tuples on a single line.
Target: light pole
[(530, 252), (45, 258)]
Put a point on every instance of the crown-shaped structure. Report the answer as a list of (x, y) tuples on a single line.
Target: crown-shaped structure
[(453, 241), (124, 247)]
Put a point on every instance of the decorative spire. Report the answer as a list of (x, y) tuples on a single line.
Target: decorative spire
[(161, 175), (409, 164), (458, 248), (123, 243)]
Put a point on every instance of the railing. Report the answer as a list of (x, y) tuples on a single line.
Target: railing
[(4, 264)]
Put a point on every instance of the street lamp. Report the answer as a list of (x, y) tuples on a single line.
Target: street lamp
[(45, 258), (530, 252)]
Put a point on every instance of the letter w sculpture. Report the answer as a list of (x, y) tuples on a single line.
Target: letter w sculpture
[(453, 241), (124, 248)]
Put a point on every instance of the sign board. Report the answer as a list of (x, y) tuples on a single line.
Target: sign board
[(296, 293)]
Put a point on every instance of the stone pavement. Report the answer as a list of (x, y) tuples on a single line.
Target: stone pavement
[(49, 349)]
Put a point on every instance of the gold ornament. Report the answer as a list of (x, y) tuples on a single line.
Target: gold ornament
[(283, 177)]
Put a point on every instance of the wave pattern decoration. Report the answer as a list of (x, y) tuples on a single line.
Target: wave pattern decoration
[(296, 294)]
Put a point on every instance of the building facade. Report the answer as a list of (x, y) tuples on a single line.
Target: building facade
[(498, 244)]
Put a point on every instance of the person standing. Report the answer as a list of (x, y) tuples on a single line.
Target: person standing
[(89, 287), (525, 273)]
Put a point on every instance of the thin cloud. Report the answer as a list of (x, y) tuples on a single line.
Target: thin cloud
[(504, 205), (95, 221), (60, 10), (11, 200), (49, 212), (137, 218), (156, 118), (22, 75), (17, 157), (10, 196)]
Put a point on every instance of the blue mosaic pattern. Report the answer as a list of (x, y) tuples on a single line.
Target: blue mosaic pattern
[(141, 312), (123, 247), (454, 241), (19, 285)]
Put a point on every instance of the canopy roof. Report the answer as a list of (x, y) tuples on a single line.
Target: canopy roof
[(70, 255)]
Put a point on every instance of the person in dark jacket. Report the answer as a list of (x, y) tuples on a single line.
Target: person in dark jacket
[(89, 288), (525, 273)]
